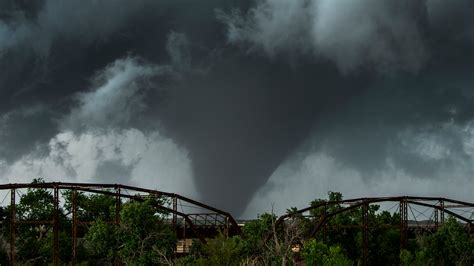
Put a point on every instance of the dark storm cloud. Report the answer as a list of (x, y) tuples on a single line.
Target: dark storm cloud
[(394, 117), (17, 126), (453, 20), (82, 22), (377, 34), (240, 85)]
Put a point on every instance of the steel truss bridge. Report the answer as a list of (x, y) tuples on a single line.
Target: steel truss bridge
[(416, 214), (189, 218), (193, 219)]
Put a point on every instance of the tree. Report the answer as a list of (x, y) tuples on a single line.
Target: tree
[(316, 253), (344, 230), (102, 241), (91, 207), (284, 239), (313, 252), (34, 242), (336, 257), (96, 208), (143, 236), (407, 258), (331, 233), (384, 243), (223, 250), (255, 234), (450, 245)]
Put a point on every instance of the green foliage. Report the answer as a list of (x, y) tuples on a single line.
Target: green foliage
[(342, 230), (91, 207), (405, 257), (336, 257), (36, 204), (142, 237), (34, 241), (313, 252), (254, 235), (384, 246), (143, 234), (316, 253), (223, 250), (450, 245), (102, 240), (64, 246), (185, 261), (408, 259)]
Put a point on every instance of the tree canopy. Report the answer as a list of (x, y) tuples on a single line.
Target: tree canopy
[(145, 236)]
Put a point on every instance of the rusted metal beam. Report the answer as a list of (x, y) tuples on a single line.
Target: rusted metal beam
[(376, 200), (12, 225), (69, 185), (175, 208), (403, 223), (323, 220), (443, 210), (438, 205), (365, 233), (117, 218), (138, 198), (56, 226), (441, 205), (34, 222), (74, 227)]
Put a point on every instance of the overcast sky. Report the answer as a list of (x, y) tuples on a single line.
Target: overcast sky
[(243, 104)]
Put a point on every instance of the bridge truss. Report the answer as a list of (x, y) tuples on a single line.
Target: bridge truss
[(416, 214), (189, 218), (193, 219)]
